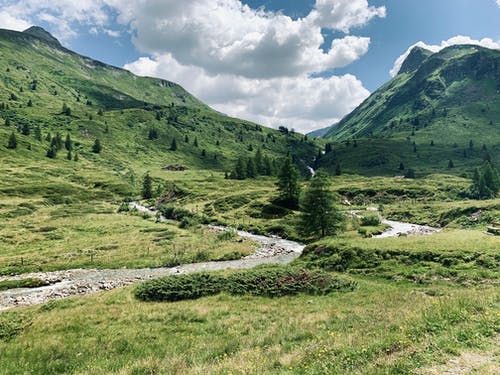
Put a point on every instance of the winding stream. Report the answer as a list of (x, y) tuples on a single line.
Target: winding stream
[(272, 250)]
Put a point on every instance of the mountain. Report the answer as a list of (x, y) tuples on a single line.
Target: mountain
[(414, 60), (320, 133), (46, 89), (440, 107)]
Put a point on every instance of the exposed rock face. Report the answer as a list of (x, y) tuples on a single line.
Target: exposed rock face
[(41, 33), (414, 60)]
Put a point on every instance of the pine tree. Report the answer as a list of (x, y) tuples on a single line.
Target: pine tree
[(30, 103), (97, 148), (48, 137), (491, 178), (288, 184), (52, 152), (328, 148), (338, 170), (12, 142), (25, 130), (173, 146), (240, 170), (75, 158), (7, 121), (147, 186), (319, 216), (186, 138), (67, 143), (251, 169), (38, 133), (203, 153), (69, 156), (268, 169), (259, 162), (195, 143), (401, 166), (410, 173), (450, 164)]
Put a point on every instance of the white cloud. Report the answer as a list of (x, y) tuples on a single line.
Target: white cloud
[(345, 14), (226, 36), (8, 21), (459, 39), (498, 3), (301, 102), (254, 63)]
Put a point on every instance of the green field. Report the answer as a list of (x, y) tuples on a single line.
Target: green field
[(399, 305)]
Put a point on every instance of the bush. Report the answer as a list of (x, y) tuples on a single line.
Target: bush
[(370, 220), (284, 281), (180, 287), (267, 281)]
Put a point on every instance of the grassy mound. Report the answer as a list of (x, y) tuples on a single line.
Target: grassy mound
[(262, 281)]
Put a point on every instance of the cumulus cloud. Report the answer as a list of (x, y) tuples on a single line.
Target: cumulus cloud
[(8, 21), (254, 63), (459, 39), (237, 39), (301, 102), (498, 3)]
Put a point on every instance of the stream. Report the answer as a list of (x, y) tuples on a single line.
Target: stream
[(272, 250)]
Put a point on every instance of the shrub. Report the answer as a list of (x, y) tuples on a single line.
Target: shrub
[(180, 287), (370, 220), (267, 281)]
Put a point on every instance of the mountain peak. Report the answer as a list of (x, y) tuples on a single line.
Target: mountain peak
[(415, 58), (41, 33)]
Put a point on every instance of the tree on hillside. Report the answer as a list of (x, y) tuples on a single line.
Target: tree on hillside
[(51, 152), (7, 121), (338, 170), (267, 166), (96, 147), (12, 142), (38, 133), (173, 146), (450, 164), (66, 110), (67, 143), (485, 184), (239, 172), (251, 170), (410, 173), (147, 187), (259, 161), (319, 216), (288, 184), (195, 143), (25, 130), (401, 166)]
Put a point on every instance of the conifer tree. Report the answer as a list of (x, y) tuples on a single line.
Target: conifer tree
[(38, 133), (25, 130), (319, 216), (69, 156), (68, 144), (251, 170), (96, 147), (450, 164), (12, 142), (288, 184), (147, 186), (173, 145), (239, 170), (259, 162)]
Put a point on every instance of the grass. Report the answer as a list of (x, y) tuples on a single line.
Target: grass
[(463, 256), (95, 236), (343, 332), (22, 283)]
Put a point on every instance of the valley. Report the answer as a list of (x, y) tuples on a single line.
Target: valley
[(142, 232)]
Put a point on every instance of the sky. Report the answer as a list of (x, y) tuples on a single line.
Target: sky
[(303, 64)]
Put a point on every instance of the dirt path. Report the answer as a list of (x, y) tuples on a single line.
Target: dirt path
[(483, 363), (272, 250)]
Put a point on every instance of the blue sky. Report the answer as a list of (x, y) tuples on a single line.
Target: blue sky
[(300, 63)]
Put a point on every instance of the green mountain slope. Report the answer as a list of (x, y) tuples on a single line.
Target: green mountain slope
[(136, 120), (426, 115)]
